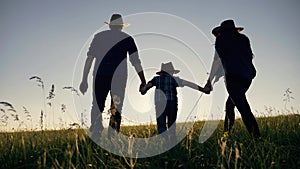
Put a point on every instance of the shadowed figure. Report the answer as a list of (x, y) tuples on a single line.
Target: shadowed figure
[(110, 49), (166, 101), (215, 74), (235, 53)]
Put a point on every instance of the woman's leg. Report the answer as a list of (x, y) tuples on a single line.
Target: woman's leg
[(237, 88), (229, 115)]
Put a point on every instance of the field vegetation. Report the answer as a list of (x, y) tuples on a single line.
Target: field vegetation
[(72, 148)]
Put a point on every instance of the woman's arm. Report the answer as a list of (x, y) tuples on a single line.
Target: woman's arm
[(216, 70)]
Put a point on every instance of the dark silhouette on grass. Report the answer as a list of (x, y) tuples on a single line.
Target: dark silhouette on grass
[(215, 74), (110, 49), (166, 97), (236, 56)]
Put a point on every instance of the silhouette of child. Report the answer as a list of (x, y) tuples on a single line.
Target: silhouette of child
[(166, 97)]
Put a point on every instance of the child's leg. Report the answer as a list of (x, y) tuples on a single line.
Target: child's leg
[(172, 116), (161, 117)]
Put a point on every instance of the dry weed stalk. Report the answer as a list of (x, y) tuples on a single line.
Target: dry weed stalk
[(40, 83), (131, 163)]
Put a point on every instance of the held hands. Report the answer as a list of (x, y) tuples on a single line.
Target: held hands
[(208, 87), (142, 89)]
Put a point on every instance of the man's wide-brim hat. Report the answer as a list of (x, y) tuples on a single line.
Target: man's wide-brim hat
[(117, 20), (226, 25), (168, 68)]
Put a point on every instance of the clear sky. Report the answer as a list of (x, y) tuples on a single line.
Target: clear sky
[(45, 38)]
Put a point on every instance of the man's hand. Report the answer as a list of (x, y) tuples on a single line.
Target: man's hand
[(142, 88), (83, 86)]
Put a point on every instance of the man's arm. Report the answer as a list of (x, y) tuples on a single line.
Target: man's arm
[(88, 63), (139, 69), (135, 61)]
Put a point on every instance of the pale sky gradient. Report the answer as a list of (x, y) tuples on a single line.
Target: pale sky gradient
[(44, 38)]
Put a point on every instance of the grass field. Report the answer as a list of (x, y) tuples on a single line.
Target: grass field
[(279, 148)]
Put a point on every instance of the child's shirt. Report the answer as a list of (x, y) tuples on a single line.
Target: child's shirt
[(166, 87)]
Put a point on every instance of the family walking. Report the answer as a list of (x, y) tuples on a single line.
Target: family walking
[(110, 49)]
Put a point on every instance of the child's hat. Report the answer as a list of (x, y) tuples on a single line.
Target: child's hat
[(168, 68)]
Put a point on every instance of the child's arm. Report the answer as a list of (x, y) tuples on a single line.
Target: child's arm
[(196, 87), (146, 88)]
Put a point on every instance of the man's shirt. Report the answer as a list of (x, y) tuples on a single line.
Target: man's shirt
[(110, 49)]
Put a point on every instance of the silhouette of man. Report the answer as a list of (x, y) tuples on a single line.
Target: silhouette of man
[(109, 49), (236, 57)]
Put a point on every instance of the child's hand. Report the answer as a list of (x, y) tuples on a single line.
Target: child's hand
[(208, 87), (145, 88)]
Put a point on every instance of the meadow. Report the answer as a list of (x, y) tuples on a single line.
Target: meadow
[(72, 148)]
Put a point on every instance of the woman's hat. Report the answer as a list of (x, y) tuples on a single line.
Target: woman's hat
[(168, 68), (116, 19), (216, 31), (226, 25)]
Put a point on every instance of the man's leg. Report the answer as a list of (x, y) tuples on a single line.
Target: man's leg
[(237, 88), (96, 118), (101, 89), (114, 120), (117, 99)]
